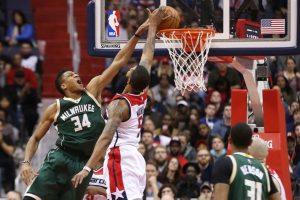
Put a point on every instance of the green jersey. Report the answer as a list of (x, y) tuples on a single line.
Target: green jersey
[(79, 124), (249, 179)]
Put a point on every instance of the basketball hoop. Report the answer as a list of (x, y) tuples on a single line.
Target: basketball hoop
[(188, 49)]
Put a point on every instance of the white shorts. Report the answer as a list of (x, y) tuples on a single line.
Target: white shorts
[(97, 180), (125, 173)]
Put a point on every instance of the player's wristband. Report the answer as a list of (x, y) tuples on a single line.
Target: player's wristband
[(87, 169), (26, 161), (138, 36)]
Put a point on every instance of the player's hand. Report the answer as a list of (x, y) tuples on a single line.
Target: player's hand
[(157, 15), (78, 178), (27, 173)]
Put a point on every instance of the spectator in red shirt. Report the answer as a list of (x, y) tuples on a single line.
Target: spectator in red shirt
[(29, 75), (175, 151)]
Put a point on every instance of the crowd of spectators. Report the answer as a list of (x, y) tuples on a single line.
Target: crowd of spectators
[(20, 68), (182, 136)]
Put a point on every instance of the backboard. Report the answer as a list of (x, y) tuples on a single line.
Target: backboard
[(244, 27)]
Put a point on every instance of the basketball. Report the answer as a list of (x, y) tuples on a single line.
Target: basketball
[(172, 21)]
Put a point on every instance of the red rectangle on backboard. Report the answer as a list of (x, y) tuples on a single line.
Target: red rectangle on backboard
[(273, 139)]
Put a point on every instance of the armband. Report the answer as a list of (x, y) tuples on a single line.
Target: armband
[(87, 169)]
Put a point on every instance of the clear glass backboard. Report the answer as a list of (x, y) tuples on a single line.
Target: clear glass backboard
[(244, 27)]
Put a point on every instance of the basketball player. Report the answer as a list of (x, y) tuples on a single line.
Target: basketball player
[(240, 176), (77, 118), (259, 150), (124, 166)]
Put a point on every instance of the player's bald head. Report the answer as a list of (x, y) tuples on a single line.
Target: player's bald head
[(259, 149)]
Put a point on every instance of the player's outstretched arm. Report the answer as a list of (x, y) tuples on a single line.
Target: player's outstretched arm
[(118, 111), (27, 173), (97, 84), (148, 52)]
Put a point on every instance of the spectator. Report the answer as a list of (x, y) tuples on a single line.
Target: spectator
[(164, 92), (296, 154), (210, 115), (205, 192), (29, 75), (19, 30), (160, 157), (147, 139), (152, 185), (182, 114), (222, 127), (167, 129), (218, 149), (167, 192), (8, 129), (188, 186), (142, 149), (175, 151), (164, 67), (289, 115), (288, 94), (3, 54), (215, 98), (24, 100), (296, 119), (171, 173), (29, 60), (291, 74), (205, 165), (224, 71), (202, 137), (187, 150), (7, 164), (152, 110), (4, 68)]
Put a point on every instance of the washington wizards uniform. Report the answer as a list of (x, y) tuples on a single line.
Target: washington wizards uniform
[(97, 180), (122, 160)]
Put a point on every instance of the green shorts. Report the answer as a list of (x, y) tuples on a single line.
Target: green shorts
[(54, 179)]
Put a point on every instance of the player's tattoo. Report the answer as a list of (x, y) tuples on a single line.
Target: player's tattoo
[(117, 113)]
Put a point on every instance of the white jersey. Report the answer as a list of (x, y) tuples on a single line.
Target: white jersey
[(275, 176), (129, 132)]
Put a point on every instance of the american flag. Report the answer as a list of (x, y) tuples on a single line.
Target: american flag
[(272, 26)]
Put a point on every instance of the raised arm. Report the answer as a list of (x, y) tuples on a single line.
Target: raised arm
[(27, 172), (148, 51), (118, 111), (97, 84)]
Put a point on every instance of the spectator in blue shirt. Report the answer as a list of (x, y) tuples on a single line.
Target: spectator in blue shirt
[(19, 30)]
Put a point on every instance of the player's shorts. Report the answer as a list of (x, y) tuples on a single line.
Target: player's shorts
[(97, 180), (125, 173), (54, 179)]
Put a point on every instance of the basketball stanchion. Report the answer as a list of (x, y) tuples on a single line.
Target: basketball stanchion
[(188, 49)]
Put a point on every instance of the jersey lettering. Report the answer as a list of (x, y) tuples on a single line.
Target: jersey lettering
[(255, 189), (79, 126)]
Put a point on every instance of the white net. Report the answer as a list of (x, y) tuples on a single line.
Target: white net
[(188, 51)]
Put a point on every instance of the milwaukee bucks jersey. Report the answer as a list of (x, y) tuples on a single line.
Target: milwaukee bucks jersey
[(79, 123), (249, 179)]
